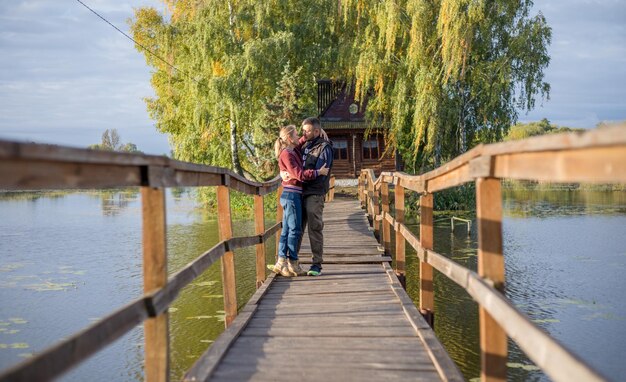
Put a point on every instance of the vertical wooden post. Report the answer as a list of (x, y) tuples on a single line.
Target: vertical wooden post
[(366, 187), (376, 211), (360, 191), (156, 330), (384, 190), (493, 340), (279, 216), (400, 244), (330, 195), (259, 228), (227, 261), (427, 299)]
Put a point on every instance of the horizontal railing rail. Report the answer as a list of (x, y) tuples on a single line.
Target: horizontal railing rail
[(597, 156), (29, 166)]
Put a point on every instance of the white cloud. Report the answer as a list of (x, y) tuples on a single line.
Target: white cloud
[(66, 75), (587, 72)]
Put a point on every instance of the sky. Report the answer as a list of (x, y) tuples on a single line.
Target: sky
[(66, 76)]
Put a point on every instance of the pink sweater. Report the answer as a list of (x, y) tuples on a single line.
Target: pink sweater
[(290, 160)]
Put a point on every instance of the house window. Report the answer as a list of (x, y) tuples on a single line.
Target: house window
[(370, 149), (340, 149)]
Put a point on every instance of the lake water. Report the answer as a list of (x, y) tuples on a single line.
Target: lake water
[(68, 259)]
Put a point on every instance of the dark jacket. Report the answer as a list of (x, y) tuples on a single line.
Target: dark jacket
[(314, 154)]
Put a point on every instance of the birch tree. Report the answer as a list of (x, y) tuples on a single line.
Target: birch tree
[(230, 59)]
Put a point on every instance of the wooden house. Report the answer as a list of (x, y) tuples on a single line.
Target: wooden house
[(343, 119)]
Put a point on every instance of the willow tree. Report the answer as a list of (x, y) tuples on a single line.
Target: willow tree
[(444, 75), (229, 73)]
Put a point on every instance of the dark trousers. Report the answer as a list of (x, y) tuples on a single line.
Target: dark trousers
[(312, 217)]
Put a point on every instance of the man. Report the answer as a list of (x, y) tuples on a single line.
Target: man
[(317, 151)]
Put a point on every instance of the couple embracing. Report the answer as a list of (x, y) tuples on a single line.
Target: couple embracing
[(304, 164)]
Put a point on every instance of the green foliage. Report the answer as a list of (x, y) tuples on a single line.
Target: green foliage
[(462, 198), (244, 69), (445, 75), (241, 205), (440, 76), (525, 130), (111, 141)]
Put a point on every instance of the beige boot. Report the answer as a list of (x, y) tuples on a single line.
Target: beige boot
[(294, 268), (280, 265)]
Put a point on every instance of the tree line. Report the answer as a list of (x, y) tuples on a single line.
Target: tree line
[(111, 141), (440, 76)]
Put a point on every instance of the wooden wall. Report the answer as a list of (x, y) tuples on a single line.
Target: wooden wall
[(351, 167)]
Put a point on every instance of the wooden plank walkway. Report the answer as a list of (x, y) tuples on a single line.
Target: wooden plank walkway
[(355, 322)]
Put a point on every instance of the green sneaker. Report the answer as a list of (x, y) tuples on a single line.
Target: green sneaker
[(315, 270)]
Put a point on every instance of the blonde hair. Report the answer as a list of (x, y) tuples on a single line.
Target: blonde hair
[(282, 142)]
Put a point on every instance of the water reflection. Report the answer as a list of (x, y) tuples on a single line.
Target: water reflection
[(113, 202), (557, 245), (549, 203), (564, 254), (58, 253)]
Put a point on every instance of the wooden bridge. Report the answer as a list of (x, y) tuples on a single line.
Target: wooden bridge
[(355, 322)]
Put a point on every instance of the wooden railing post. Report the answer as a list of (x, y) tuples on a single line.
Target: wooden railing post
[(367, 203), (400, 244), (360, 191), (259, 228), (384, 190), (493, 339), (376, 210), (156, 330), (427, 300), (227, 261), (330, 195), (279, 216)]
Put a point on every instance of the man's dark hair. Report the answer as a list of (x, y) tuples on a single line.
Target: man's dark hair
[(315, 122)]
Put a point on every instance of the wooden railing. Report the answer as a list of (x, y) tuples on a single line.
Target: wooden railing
[(597, 156), (38, 167), (330, 195)]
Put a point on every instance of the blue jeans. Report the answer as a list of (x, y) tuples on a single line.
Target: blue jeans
[(292, 224)]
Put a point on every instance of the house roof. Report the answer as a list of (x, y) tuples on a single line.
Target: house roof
[(339, 109)]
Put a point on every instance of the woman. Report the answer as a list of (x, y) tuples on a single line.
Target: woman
[(287, 151)]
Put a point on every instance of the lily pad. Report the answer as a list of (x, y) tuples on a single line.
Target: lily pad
[(71, 272), (17, 345), (206, 283), (11, 267), (22, 277), (51, 286), (540, 321), (515, 365)]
